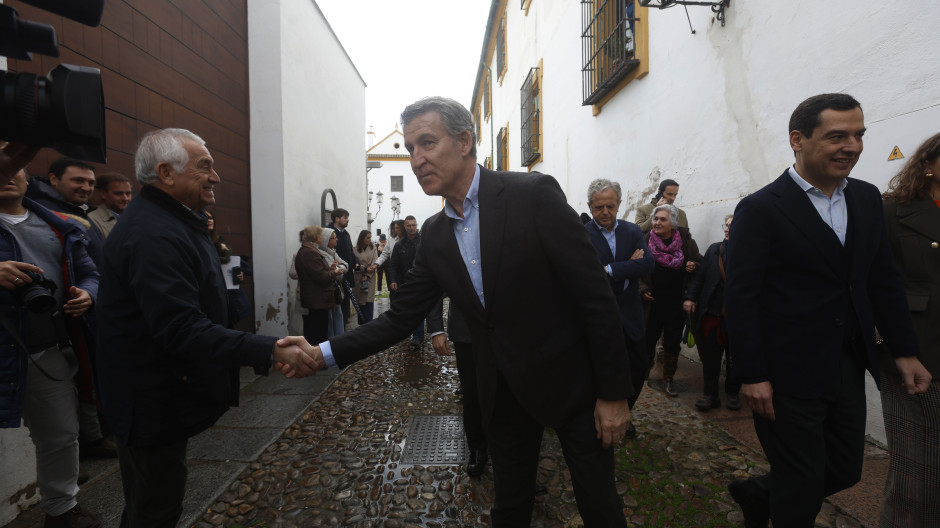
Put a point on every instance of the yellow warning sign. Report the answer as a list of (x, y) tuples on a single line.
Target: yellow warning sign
[(895, 154)]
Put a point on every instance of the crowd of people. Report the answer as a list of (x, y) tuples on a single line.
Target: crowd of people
[(817, 279)]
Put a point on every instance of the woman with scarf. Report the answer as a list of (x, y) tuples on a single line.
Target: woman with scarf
[(677, 257), (327, 248), (365, 274), (316, 280)]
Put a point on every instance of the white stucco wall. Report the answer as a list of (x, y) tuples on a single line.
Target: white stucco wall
[(712, 113), (307, 108), (413, 200)]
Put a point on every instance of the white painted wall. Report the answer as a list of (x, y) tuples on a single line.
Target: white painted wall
[(413, 200), (307, 108), (712, 113)]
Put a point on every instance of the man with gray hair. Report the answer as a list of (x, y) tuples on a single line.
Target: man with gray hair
[(495, 228), (625, 257), (167, 366)]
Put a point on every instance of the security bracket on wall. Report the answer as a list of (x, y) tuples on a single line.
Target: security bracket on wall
[(717, 7)]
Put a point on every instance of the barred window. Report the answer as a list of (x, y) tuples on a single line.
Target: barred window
[(398, 184), (486, 95), (502, 150), (608, 46), (501, 50), (531, 104), (476, 125)]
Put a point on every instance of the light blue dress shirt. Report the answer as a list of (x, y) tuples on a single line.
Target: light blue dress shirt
[(832, 210), (467, 233)]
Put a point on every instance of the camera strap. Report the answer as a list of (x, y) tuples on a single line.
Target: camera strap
[(69, 357)]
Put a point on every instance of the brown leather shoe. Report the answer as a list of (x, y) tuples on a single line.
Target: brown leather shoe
[(74, 518), (669, 389), (100, 448)]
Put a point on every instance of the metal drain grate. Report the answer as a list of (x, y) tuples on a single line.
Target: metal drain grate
[(435, 440)]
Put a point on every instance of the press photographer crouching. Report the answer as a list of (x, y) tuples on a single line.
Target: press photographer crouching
[(47, 284)]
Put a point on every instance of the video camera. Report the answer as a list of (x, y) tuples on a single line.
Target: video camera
[(63, 110)]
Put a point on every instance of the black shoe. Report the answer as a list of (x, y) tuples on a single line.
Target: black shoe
[(707, 403), (100, 448), (477, 463), (734, 402), (755, 508), (74, 518), (631, 431)]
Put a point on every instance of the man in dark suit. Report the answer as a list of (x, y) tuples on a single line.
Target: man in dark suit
[(809, 276), (544, 356), (625, 258)]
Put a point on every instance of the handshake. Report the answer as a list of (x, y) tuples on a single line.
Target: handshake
[(296, 358)]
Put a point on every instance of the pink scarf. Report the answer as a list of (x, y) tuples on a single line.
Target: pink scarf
[(667, 256)]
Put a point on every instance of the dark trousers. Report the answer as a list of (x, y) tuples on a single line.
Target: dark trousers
[(815, 447), (154, 480), (367, 309), (639, 366), (316, 324), (379, 274), (472, 415), (514, 440), (711, 354), (666, 318)]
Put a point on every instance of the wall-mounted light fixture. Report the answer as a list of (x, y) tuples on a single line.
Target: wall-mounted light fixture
[(717, 7), (396, 206)]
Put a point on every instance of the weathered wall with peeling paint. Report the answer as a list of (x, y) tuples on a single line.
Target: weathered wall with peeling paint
[(307, 110)]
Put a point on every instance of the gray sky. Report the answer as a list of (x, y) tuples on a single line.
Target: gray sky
[(408, 49)]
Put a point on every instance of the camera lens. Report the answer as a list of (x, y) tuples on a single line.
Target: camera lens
[(64, 110)]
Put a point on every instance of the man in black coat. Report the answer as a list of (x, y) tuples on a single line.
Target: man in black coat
[(545, 356), (344, 248), (626, 259), (167, 366), (809, 276)]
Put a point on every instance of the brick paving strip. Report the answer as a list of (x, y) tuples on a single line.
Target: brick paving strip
[(339, 463)]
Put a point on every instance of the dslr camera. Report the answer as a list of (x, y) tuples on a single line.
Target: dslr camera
[(36, 296), (63, 110)]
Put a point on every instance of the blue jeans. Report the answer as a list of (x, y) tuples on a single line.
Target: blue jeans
[(337, 322)]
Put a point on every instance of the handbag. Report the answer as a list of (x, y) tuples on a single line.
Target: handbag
[(337, 293)]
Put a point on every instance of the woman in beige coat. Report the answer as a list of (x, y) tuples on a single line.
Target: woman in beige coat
[(365, 275)]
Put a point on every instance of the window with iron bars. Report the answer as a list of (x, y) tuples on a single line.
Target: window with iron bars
[(502, 150), (501, 49), (476, 125), (531, 108), (486, 96), (608, 46)]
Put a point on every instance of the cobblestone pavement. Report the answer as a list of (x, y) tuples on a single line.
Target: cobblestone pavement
[(339, 464)]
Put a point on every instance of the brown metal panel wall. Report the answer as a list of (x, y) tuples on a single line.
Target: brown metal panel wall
[(166, 63)]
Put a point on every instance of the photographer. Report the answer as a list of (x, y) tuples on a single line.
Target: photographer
[(47, 284)]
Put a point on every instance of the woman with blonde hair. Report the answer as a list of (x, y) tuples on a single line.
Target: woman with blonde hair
[(315, 279), (912, 422)]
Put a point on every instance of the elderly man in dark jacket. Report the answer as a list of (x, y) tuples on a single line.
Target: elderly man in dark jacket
[(167, 366), (37, 367)]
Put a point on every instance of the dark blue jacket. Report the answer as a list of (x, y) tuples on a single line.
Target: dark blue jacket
[(707, 281), (629, 239), (80, 272), (794, 292), (167, 366)]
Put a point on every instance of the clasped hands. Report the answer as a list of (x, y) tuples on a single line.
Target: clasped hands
[(296, 358)]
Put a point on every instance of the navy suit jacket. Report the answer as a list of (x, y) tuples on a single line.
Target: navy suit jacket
[(629, 239), (550, 324), (792, 288)]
